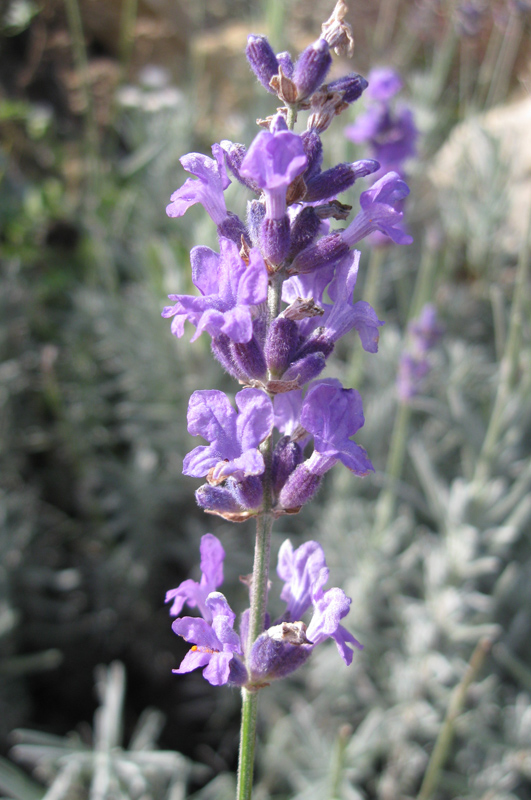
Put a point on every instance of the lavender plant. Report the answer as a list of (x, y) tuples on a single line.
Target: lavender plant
[(275, 300)]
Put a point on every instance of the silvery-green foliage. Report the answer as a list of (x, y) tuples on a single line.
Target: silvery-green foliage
[(450, 570), (102, 769)]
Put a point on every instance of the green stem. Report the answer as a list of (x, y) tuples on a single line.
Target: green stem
[(501, 76), (247, 745), (385, 505), (81, 61), (338, 761), (509, 363), (446, 734), (292, 117), (127, 34)]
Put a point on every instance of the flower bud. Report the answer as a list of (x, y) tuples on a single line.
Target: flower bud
[(275, 239), (304, 229), (287, 455), (300, 487), (233, 228), (338, 179), (305, 369), (285, 61), (222, 353), (233, 499), (262, 59), (248, 493), (249, 358), (278, 652), (237, 673), (216, 499), (313, 148), (311, 68), (282, 340), (325, 252), (350, 86)]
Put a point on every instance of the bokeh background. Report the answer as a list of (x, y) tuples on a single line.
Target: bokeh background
[(98, 100)]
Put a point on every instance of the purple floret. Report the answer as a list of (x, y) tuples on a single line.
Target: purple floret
[(207, 190), (343, 315), (273, 161), (334, 414), (216, 645), (191, 592), (379, 211), (229, 288), (234, 437)]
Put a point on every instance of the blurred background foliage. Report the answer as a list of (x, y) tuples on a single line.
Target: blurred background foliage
[(98, 100)]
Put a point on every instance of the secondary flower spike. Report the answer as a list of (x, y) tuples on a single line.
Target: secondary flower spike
[(280, 648)]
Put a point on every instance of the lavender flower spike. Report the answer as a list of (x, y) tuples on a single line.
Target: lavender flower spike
[(216, 646), (379, 211), (229, 288), (234, 437), (193, 593), (207, 190)]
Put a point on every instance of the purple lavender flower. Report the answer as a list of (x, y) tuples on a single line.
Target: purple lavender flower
[(379, 211), (281, 648), (273, 161), (284, 647), (305, 574), (229, 289), (234, 437), (207, 190), (390, 133), (332, 415), (287, 408), (426, 331), (193, 593), (384, 83), (343, 314), (330, 608), (299, 569), (216, 645)]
